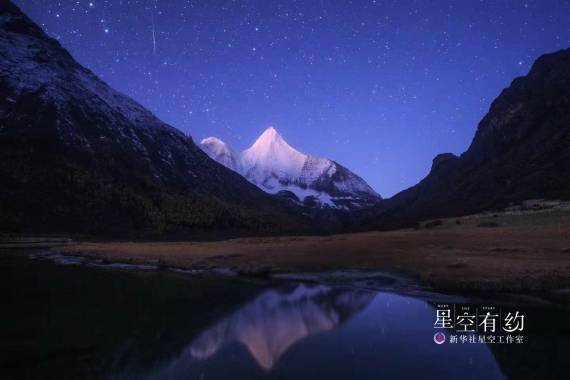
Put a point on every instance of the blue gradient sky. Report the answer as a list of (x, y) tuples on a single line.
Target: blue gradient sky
[(379, 86)]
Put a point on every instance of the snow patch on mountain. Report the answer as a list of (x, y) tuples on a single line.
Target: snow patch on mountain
[(32, 63), (222, 153), (275, 166)]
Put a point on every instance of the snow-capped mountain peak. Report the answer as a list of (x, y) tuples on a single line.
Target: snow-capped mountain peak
[(271, 142), (270, 155), (275, 166)]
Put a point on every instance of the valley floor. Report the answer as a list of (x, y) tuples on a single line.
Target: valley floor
[(507, 251)]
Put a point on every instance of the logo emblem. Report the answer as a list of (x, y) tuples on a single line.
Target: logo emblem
[(439, 338)]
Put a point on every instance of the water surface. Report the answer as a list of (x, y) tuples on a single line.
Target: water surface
[(82, 322)]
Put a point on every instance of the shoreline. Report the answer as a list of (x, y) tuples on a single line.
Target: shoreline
[(363, 279), (522, 258), (488, 252)]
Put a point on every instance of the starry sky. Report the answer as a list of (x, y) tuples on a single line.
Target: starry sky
[(380, 86)]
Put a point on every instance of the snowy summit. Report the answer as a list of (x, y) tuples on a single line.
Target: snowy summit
[(275, 166)]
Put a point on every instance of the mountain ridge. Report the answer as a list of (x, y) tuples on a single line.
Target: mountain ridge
[(519, 152), (76, 156)]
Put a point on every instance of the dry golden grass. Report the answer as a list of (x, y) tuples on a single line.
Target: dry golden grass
[(463, 256)]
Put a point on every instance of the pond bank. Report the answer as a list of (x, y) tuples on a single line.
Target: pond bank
[(465, 258)]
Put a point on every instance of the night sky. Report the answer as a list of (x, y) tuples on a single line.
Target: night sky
[(379, 86)]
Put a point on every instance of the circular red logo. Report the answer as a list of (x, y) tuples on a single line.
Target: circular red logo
[(439, 338)]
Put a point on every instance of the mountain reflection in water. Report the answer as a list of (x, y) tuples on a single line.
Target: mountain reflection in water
[(306, 331), (276, 320)]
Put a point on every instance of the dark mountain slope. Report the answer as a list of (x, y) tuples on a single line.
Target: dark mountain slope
[(78, 157), (521, 150)]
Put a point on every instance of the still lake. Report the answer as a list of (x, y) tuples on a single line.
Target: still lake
[(81, 322)]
